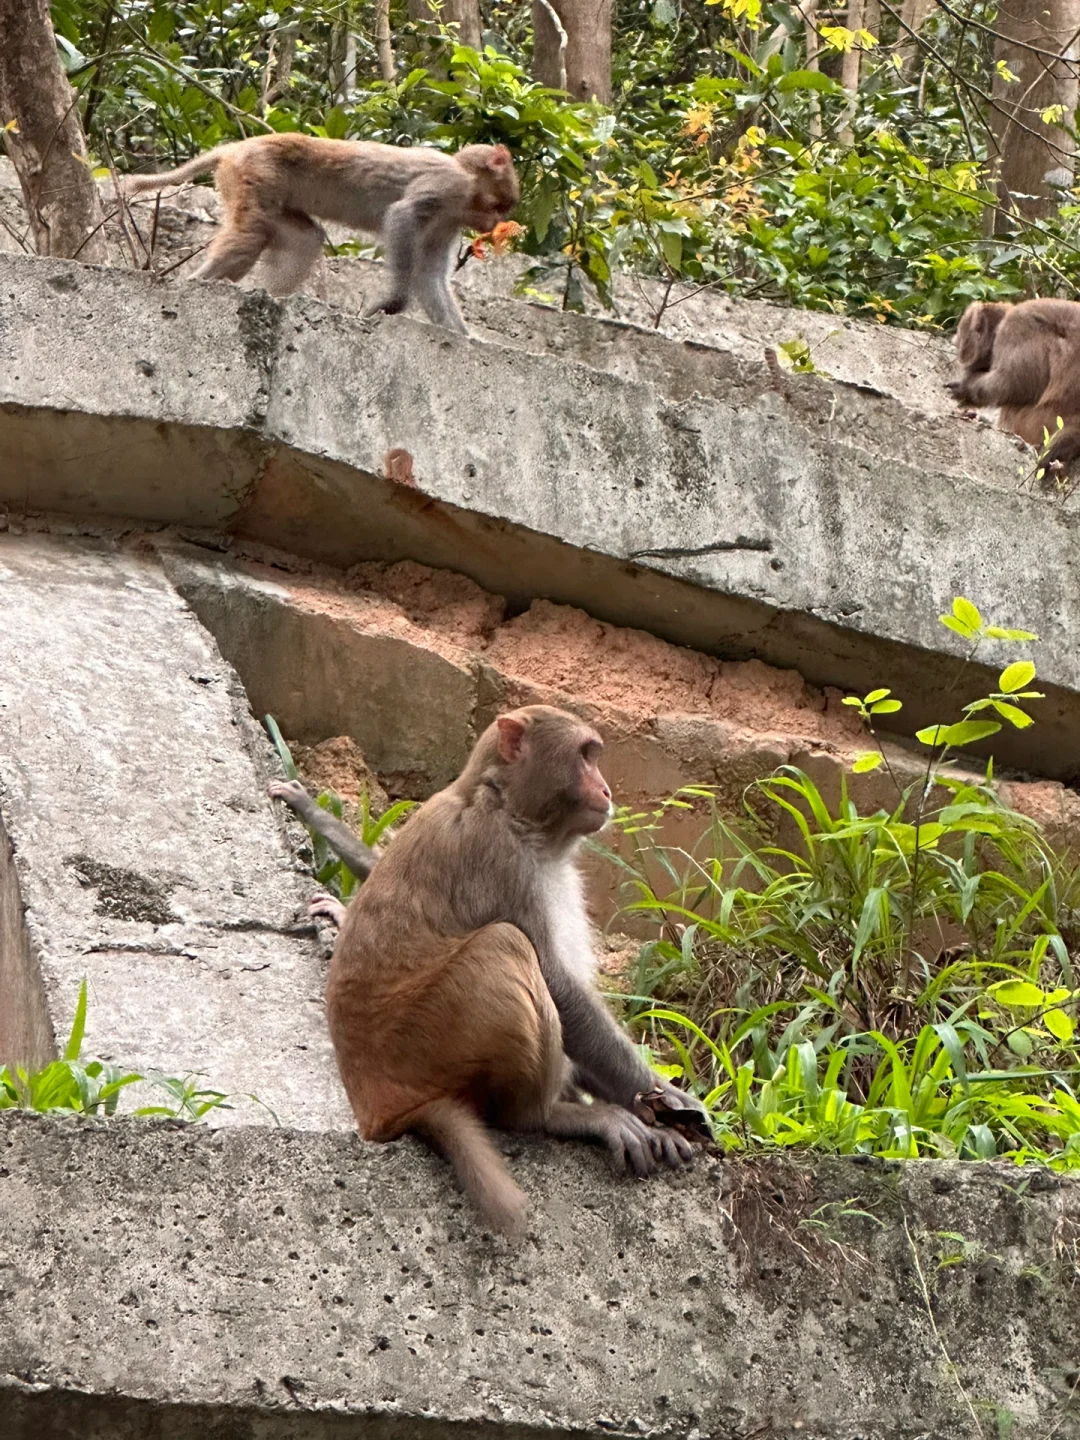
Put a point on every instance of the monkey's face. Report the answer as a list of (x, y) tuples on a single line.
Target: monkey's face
[(590, 790), (975, 334), (553, 764)]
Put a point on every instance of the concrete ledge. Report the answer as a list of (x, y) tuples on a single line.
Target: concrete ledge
[(187, 1284), (731, 524)]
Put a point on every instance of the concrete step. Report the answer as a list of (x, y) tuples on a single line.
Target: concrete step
[(740, 526)]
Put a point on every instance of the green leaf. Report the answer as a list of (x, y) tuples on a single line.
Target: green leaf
[(996, 632), (1060, 1025), (1015, 676), (965, 732), (1013, 714), (886, 707), (807, 80), (1019, 1043), (288, 764), (870, 761), (966, 613), (671, 244), (851, 700), (875, 695), (1018, 992), (965, 631), (78, 1026)]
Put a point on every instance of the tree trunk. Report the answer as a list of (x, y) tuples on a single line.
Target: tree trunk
[(913, 15), (1035, 160), (813, 46), (46, 143), (849, 69), (465, 14), (587, 52), (383, 47)]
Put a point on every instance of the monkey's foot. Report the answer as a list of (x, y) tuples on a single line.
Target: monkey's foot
[(327, 907)]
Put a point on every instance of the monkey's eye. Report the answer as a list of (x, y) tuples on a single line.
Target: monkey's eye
[(591, 750)]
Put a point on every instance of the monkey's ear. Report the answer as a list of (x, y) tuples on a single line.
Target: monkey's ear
[(500, 157), (511, 736)]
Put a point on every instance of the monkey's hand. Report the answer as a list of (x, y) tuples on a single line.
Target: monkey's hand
[(291, 792), (635, 1146)]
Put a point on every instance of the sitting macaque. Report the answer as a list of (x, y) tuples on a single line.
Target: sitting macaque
[(1025, 358), (461, 989), (416, 200)]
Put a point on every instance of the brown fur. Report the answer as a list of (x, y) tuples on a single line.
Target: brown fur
[(458, 992), (417, 200), (1025, 359)]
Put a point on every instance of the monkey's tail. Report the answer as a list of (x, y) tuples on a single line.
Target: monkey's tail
[(465, 1141), (201, 165)]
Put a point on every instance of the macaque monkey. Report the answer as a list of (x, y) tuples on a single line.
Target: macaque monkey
[(461, 989), (416, 200), (1024, 358)]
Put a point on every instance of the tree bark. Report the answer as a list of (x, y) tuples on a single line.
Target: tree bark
[(1035, 160), (813, 46), (849, 68), (913, 14), (383, 47), (587, 55), (46, 144), (465, 14)]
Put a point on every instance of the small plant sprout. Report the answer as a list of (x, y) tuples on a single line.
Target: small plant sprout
[(94, 1088)]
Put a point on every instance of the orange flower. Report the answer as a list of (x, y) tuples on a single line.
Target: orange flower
[(500, 238)]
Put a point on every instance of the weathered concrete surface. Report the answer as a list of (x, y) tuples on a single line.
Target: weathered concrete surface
[(146, 854), (191, 1284), (734, 527)]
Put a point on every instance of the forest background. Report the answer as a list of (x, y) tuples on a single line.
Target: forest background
[(888, 160)]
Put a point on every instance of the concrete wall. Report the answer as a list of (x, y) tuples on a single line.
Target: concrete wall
[(257, 1285), (742, 522), (252, 1282)]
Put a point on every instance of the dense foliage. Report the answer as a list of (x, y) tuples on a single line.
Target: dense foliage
[(725, 159), (899, 983)]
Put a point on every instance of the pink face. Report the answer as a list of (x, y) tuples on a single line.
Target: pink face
[(592, 789)]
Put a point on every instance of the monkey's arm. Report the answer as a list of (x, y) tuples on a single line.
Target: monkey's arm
[(357, 856), (606, 1061)]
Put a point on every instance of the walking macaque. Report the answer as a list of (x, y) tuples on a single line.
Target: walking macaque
[(1024, 358), (461, 987), (416, 200)]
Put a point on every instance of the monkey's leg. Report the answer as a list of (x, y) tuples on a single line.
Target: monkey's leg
[(324, 906), (232, 253), (400, 232), (295, 246), (357, 856), (432, 285)]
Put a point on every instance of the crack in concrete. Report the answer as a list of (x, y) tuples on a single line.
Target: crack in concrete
[(716, 547)]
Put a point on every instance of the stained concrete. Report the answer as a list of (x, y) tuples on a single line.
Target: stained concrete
[(733, 524), (142, 851), (188, 1285)]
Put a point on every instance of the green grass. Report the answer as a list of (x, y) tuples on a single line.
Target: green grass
[(806, 993), (95, 1087)]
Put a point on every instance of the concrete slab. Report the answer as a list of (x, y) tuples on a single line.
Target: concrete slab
[(735, 523), (141, 851), (254, 1285)]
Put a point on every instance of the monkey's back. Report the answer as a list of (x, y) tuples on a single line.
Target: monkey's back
[(352, 182)]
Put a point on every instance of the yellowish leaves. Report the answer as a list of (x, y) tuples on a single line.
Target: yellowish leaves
[(1004, 73), (748, 10), (699, 123), (839, 37), (1053, 115), (11, 128)]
